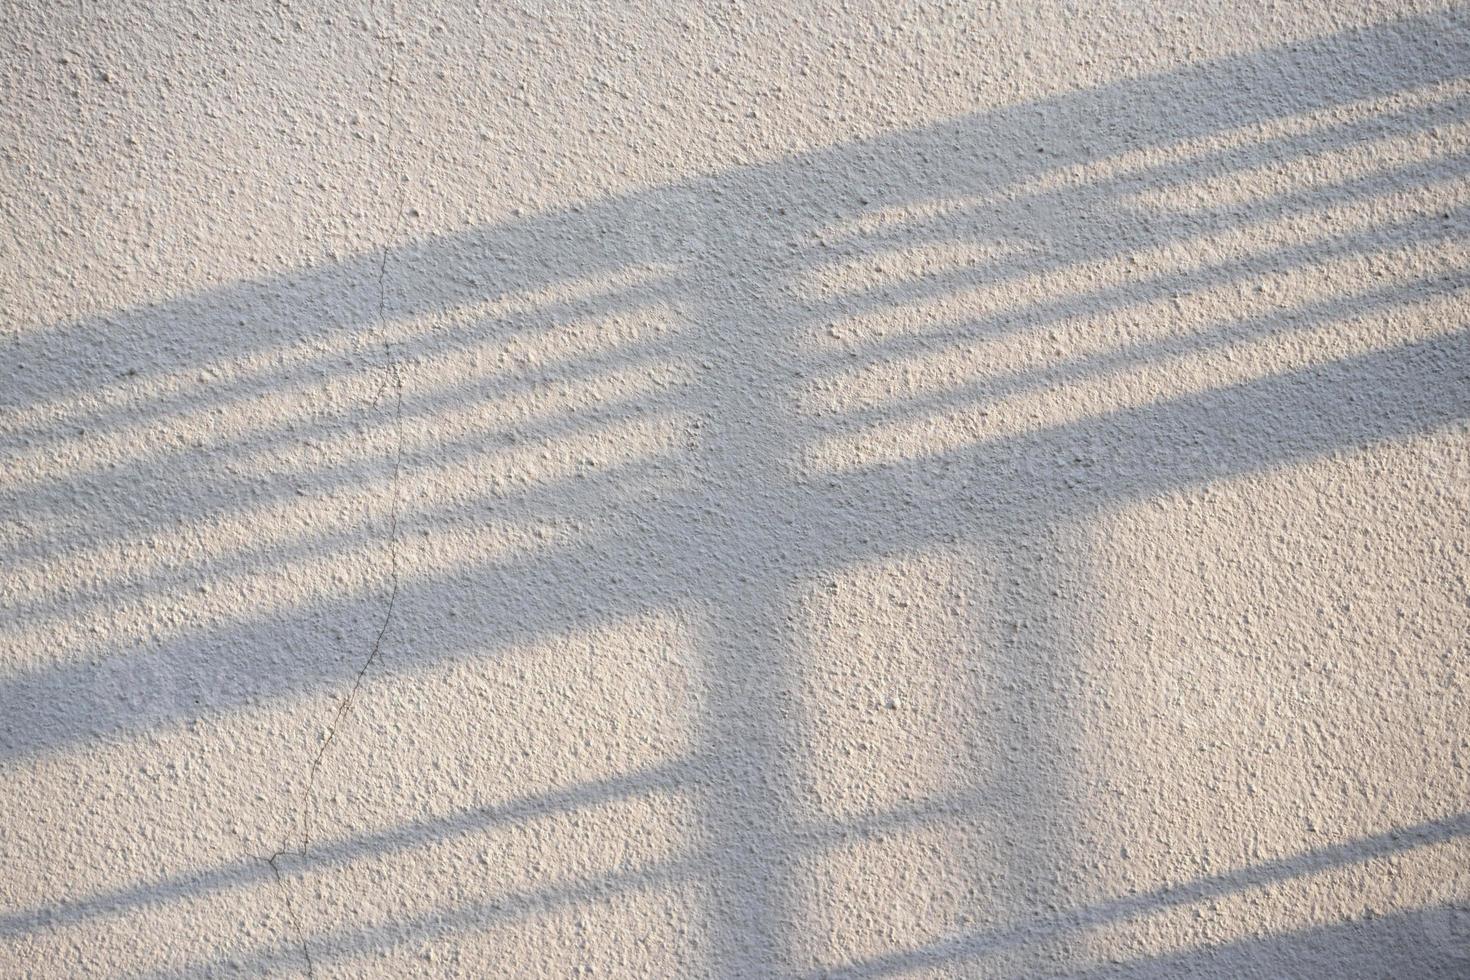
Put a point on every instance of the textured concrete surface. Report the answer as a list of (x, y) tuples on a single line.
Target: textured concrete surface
[(858, 490)]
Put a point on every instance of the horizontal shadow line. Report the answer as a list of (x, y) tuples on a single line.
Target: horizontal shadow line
[(338, 852), (1271, 872)]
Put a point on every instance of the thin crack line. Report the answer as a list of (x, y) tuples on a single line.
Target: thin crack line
[(392, 374)]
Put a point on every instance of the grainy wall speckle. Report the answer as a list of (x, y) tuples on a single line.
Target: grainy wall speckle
[(735, 490)]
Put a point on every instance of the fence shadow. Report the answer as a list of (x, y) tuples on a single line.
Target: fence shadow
[(1416, 945), (735, 401)]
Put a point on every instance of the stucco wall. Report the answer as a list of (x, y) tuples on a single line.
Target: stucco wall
[(859, 490)]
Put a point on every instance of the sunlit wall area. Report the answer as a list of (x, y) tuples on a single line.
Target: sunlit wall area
[(854, 490)]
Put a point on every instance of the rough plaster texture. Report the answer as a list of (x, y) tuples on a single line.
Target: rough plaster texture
[(752, 490)]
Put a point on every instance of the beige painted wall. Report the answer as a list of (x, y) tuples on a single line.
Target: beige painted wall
[(858, 490)]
